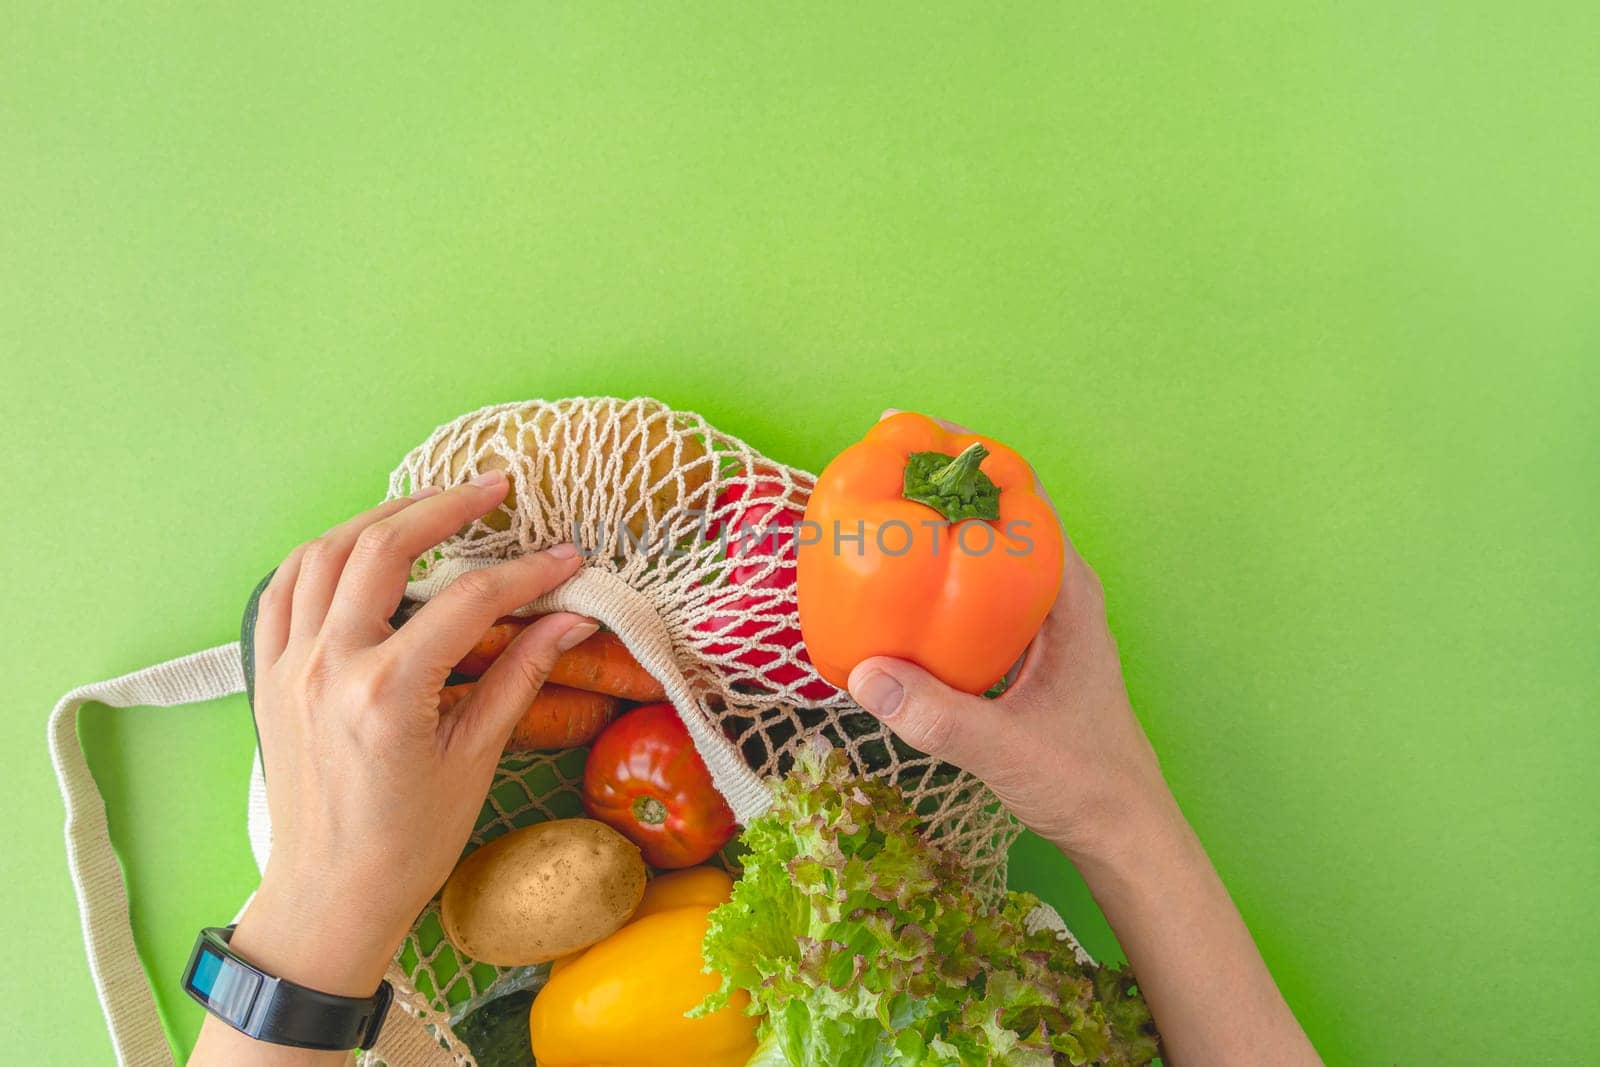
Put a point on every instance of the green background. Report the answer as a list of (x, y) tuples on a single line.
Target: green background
[(1295, 307)]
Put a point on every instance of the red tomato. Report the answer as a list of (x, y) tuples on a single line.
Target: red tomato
[(645, 780)]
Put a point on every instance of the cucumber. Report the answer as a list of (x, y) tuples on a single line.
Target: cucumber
[(497, 1033)]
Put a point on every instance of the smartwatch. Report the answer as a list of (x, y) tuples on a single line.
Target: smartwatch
[(277, 1010)]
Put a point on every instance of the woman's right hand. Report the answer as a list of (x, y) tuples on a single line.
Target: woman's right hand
[(1063, 750), (1061, 747)]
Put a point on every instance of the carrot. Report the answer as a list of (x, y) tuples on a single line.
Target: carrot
[(559, 717), (603, 664), (600, 664), (490, 645)]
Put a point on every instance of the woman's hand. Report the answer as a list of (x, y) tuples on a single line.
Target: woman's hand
[(372, 791), (1064, 752), (1061, 747)]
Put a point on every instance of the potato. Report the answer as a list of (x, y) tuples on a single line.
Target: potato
[(566, 467), (541, 892)]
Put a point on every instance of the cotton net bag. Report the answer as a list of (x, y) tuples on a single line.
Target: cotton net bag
[(654, 498)]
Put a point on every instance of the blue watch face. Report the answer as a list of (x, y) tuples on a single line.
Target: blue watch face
[(226, 986), (206, 968)]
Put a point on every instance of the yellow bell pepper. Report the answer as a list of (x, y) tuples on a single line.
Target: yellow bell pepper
[(676, 889), (620, 1002)]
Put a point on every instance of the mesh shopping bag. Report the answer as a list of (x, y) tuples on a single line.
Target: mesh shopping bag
[(687, 534)]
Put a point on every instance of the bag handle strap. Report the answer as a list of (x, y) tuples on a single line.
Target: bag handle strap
[(119, 979)]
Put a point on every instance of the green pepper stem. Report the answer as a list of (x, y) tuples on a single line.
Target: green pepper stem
[(954, 486), (959, 477)]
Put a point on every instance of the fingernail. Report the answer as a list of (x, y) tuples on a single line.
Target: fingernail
[(888, 413), (581, 632), (879, 693), (426, 491), (489, 479), (565, 550)]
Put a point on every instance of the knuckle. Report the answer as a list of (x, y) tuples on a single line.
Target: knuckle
[(275, 592), (282, 580), (316, 554), (366, 710), (477, 588), (369, 728), (379, 539), (368, 691), (318, 668)]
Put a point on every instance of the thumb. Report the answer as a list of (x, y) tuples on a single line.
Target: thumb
[(513, 680), (924, 712)]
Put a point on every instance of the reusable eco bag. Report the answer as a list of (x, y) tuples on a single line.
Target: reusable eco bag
[(687, 532)]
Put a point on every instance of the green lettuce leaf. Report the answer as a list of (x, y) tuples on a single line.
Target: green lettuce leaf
[(864, 945)]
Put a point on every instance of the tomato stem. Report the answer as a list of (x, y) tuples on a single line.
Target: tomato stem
[(649, 811)]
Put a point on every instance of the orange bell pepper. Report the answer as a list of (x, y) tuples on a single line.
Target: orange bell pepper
[(930, 546)]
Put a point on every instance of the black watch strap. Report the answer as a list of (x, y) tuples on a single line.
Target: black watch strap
[(275, 1009)]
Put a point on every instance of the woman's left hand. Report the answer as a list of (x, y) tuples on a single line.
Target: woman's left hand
[(372, 791)]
